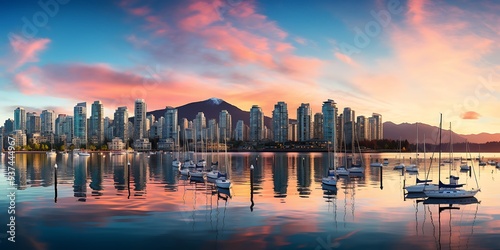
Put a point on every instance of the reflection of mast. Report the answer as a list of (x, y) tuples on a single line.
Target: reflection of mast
[(251, 187), (55, 183), (128, 179)]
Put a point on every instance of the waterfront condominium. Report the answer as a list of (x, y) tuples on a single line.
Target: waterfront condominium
[(140, 119), (256, 123), (280, 122), (349, 126), (47, 120), (304, 122), (20, 119), (200, 124), (96, 126), (170, 128), (329, 110), (120, 123), (80, 123), (225, 126)]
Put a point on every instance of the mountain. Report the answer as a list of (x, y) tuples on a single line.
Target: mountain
[(482, 138), (408, 131), (211, 108)]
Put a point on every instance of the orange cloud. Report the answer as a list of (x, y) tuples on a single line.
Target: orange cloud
[(470, 115)]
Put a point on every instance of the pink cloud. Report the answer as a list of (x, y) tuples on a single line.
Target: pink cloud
[(140, 11), (345, 58), (470, 115), (27, 50)]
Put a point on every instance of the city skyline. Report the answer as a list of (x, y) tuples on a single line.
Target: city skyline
[(420, 58)]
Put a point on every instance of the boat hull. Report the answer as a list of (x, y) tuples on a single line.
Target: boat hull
[(331, 181), (451, 193), (420, 188), (223, 183)]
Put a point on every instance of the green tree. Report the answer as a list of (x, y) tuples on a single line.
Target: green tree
[(36, 147), (62, 148), (71, 147), (104, 147), (92, 147)]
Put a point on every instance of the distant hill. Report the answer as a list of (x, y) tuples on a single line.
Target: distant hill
[(211, 108), (408, 131)]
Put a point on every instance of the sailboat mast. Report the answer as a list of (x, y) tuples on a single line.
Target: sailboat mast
[(439, 158)]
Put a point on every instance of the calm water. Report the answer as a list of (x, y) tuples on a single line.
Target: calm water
[(100, 203)]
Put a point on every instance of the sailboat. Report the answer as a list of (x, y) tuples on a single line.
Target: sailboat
[(400, 164), (357, 168), (223, 181), (448, 191), (330, 179), (413, 168), (422, 185)]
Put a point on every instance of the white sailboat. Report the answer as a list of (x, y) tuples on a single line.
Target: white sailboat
[(400, 164), (422, 185), (449, 191), (224, 181), (330, 179)]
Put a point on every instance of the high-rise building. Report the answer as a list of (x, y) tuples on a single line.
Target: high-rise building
[(184, 125), (48, 120), (108, 129), (96, 126), (304, 122), (121, 124), (362, 128), (256, 123), (140, 130), (8, 126), (225, 126), (33, 123), (20, 119), (200, 124), (170, 128), (292, 131), (80, 122), (212, 131), (318, 126), (377, 127), (64, 128), (329, 110), (239, 132), (280, 122), (340, 131), (349, 126)]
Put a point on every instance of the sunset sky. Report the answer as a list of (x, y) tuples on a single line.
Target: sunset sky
[(407, 60)]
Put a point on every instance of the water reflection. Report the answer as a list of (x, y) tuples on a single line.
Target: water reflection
[(80, 182), (280, 175)]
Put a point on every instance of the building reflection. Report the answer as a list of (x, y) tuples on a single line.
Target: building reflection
[(139, 170), (120, 172), (304, 175), (80, 179), (47, 171), (258, 172), (280, 175), (21, 171), (96, 175)]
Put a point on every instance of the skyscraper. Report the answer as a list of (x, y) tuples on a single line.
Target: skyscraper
[(96, 126), (170, 128), (239, 132), (140, 119), (121, 124), (361, 128), (329, 110), (33, 123), (8, 126), (48, 119), (318, 126), (256, 123), (225, 126), (200, 124), (304, 122), (378, 127), (20, 119), (280, 122), (80, 122), (349, 126), (212, 131)]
